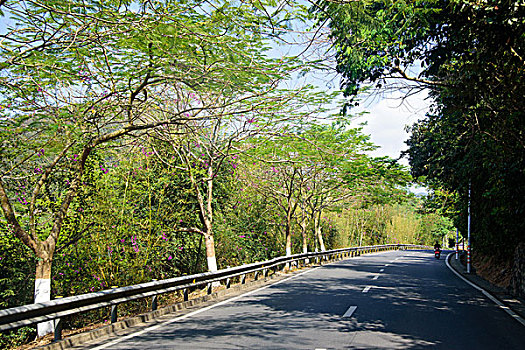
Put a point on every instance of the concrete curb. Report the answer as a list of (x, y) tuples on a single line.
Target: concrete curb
[(512, 306)]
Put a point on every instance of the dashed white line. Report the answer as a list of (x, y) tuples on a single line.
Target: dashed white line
[(367, 288), (382, 270), (375, 277), (350, 311)]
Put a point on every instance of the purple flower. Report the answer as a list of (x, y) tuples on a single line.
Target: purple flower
[(170, 257)]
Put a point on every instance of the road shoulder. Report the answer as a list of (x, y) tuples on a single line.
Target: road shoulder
[(512, 305)]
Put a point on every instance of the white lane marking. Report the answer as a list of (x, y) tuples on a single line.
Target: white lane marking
[(180, 318), (375, 277), (382, 270), (487, 294), (350, 311), (367, 288), (387, 265)]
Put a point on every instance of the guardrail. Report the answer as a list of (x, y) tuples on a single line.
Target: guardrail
[(58, 308)]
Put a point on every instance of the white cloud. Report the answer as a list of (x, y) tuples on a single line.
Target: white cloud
[(387, 119)]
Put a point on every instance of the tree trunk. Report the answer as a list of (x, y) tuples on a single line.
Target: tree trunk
[(288, 233), (210, 246), (320, 238), (318, 231), (210, 252), (303, 232), (43, 286), (517, 281)]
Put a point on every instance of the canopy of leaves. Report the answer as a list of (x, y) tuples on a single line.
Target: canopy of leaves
[(471, 58)]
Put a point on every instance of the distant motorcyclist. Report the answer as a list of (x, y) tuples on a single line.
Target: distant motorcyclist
[(437, 246)]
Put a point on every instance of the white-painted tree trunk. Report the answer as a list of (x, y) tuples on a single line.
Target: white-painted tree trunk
[(210, 256), (43, 293), (318, 232), (212, 263), (320, 238)]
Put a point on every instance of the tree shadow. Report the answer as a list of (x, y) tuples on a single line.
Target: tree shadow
[(404, 309)]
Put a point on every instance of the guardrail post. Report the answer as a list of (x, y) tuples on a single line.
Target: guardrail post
[(114, 310), (154, 300), (228, 283), (114, 313), (265, 273), (256, 276), (58, 330), (185, 293), (243, 278), (58, 326), (154, 303), (209, 288)]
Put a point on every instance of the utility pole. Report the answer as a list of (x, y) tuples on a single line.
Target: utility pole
[(457, 244), (468, 231)]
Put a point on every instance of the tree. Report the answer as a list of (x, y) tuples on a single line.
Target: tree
[(207, 148), (469, 55), (80, 75), (308, 169)]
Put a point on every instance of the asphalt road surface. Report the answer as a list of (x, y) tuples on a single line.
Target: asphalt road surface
[(391, 300)]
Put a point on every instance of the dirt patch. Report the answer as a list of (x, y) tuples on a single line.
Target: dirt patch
[(495, 270)]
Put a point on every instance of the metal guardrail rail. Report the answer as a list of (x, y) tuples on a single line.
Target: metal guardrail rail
[(58, 308)]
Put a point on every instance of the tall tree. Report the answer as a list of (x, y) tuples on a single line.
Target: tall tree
[(78, 75), (470, 56)]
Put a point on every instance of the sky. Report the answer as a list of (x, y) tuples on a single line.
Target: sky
[(386, 121)]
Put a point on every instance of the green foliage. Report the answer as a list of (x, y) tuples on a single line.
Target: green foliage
[(470, 58), (16, 272), (17, 269), (150, 124), (14, 339), (389, 224)]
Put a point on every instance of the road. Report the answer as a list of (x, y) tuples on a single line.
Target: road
[(391, 300)]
